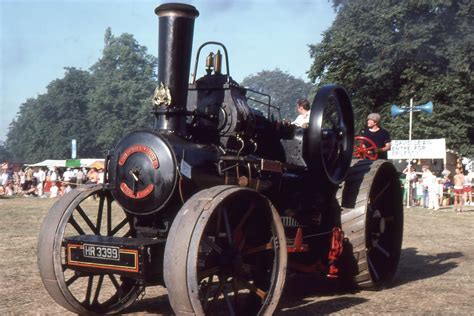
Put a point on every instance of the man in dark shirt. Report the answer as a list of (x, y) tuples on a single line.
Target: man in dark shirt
[(377, 134)]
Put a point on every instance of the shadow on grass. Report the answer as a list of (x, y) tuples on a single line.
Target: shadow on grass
[(413, 266)]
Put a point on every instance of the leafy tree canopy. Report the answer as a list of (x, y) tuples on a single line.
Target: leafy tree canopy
[(387, 52), (283, 88), (45, 126), (124, 79)]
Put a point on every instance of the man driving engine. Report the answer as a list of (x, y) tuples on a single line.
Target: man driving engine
[(377, 134)]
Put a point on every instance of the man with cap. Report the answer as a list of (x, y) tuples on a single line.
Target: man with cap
[(377, 134)]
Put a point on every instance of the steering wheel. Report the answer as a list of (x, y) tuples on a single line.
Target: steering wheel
[(364, 151), (330, 135)]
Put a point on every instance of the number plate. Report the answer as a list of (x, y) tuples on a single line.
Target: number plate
[(101, 252)]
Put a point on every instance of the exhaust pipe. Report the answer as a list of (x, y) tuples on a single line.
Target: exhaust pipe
[(176, 26)]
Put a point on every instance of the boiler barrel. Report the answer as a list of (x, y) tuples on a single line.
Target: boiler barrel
[(176, 25)]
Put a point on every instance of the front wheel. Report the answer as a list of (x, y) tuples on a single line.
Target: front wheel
[(225, 254), (89, 210)]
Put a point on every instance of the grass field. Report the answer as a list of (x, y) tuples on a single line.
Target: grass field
[(435, 275)]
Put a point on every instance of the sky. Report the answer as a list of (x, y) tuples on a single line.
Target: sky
[(38, 39)]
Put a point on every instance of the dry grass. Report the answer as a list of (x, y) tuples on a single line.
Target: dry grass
[(435, 276)]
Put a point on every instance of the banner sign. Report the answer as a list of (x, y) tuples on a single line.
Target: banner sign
[(418, 149)]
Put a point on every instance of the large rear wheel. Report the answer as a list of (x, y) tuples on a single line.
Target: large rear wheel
[(225, 254), (372, 220), (89, 210)]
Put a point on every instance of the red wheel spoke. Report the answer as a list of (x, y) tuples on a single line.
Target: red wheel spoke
[(244, 218), (259, 292), (256, 249), (241, 244)]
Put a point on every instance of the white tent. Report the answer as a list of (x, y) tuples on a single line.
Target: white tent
[(62, 163), (49, 163)]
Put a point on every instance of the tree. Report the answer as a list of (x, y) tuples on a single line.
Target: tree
[(386, 52), (45, 126), (283, 88), (5, 155), (124, 80)]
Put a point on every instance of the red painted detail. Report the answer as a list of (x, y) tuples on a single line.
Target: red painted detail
[(298, 245), (363, 151), (140, 194), (139, 149), (335, 252)]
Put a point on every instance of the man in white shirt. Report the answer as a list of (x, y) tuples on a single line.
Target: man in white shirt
[(41, 177), (303, 109)]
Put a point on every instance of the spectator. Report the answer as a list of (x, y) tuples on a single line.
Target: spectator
[(54, 190), (32, 189), (419, 193), (41, 178), (53, 175), (412, 178), (92, 176), (22, 175), (67, 175), (80, 177), (28, 179), (9, 188), (67, 189), (426, 179), (4, 179), (100, 176), (458, 190), (467, 188), (433, 187)]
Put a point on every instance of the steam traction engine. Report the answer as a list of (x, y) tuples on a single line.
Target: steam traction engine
[(219, 200)]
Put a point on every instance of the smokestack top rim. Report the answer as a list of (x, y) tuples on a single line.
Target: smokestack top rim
[(177, 9)]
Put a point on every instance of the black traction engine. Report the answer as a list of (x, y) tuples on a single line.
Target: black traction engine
[(219, 199)]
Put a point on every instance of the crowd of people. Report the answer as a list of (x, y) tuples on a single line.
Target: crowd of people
[(429, 190), (46, 182)]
